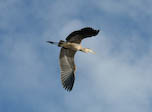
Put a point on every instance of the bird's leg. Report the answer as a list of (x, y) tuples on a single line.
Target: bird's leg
[(54, 43)]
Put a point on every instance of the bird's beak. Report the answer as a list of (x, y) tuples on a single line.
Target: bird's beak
[(91, 51)]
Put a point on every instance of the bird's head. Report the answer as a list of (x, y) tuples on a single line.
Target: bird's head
[(88, 32), (87, 50)]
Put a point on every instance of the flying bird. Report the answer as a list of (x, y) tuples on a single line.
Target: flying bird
[(67, 53)]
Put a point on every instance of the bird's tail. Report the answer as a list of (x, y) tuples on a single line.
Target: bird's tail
[(60, 43)]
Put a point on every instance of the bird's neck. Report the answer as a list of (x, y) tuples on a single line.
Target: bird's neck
[(85, 50)]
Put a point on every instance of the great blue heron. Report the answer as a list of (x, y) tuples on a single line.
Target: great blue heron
[(68, 50)]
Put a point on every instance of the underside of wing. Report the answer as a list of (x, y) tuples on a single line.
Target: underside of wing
[(78, 35), (67, 67)]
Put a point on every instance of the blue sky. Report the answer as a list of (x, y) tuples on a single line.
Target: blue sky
[(116, 79)]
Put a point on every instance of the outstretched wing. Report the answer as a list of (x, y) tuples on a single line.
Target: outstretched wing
[(67, 67), (78, 35)]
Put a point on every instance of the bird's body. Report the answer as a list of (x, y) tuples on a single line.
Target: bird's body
[(67, 53), (72, 46)]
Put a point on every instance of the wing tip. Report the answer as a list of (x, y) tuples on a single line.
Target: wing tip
[(68, 83), (89, 31), (68, 87)]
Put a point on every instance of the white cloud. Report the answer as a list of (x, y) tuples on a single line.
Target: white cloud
[(112, 80), (115, 79), (136, 8)]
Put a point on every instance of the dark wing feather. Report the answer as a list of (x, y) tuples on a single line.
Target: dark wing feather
[(78, 35), (67, 67)]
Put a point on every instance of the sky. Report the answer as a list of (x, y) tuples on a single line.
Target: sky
[(118, 78)]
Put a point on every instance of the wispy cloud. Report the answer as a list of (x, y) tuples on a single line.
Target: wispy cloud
[(117, 78)]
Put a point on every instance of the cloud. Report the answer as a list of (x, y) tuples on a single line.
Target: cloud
[(131, 8), (112, 83), (117, 78)]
